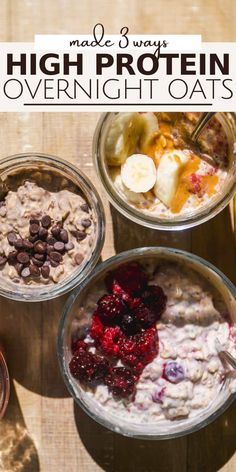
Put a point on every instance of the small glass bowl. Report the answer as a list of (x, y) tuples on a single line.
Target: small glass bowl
[(73, 313), (36, 164), (193, 218), (4, 385)]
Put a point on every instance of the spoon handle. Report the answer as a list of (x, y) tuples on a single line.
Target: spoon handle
[(229, 358), (201, 124)]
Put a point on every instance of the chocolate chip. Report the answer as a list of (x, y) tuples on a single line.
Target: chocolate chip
[(19, 244), (23, 258), (33, 239), (64, 236), (34, 229), (74, 233), (54, 263), (2, 204), (79, 258), (36, 262), (40, 247), (39, 257), (85, 207), (50, 248), (59, 246), (45, 271), (3, 261), (34, 221), (12, 257), (86, 222), (69, 246), (55, 256), (81, 235), (34, 270), (12, 238), (27, 245), (46, 221), (25, 272), (56, 231), (51, 240), (43, 233), (47, 263)]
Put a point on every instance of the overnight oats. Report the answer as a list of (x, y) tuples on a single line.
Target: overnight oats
[(48, 229), (155, 173), (143, 344)]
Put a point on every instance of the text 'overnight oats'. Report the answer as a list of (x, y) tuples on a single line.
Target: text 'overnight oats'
[(156, 168), (146, 350), (44, 235)]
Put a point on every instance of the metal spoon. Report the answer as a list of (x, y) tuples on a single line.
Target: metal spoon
[(202, 122), (205, 117), (225, 354)]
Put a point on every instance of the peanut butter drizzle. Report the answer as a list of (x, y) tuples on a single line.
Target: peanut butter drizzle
[(164, 143), (183, 192)]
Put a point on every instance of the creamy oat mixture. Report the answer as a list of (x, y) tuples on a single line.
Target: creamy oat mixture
[(194, 317), (64, 207), (184, 178)]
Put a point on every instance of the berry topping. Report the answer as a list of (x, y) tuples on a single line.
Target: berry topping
[(123, 330), (173, 372), (88, 367), (97, 328), (140, 349), (158, 395), (155, 299), (144, 315), (110, 343), (130, 277), (129, 325), (196, 184), (121, 382), (78, 345), (110, 308)]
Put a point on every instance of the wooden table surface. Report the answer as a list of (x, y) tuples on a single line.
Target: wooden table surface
[(43, 429)]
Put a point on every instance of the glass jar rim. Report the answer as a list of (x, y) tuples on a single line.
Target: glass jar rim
[(5, 394), (48, 292)]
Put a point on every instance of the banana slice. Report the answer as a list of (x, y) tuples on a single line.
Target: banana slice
[(136, 198), (122, 137), (138, 173), (168, 172), (150, 129)]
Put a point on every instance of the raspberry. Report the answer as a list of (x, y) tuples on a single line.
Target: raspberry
[(97, 328), (140, 349), (195, 184), (110, 308), (129, 325), (129, 277), (155, 299), (121, 382), (88, 367), (144, 316), (110, 342), (173, 372), (158, 395), (78, 345)]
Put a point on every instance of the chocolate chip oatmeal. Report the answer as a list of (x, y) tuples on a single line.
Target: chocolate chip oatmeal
[(44, 235)]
